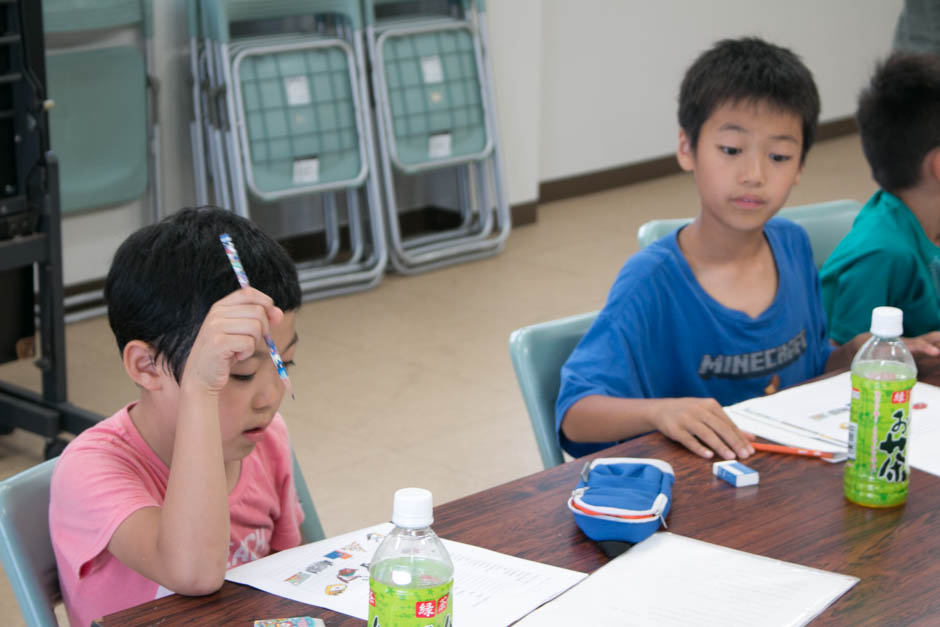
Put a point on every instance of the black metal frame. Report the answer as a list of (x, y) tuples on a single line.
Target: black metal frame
[(49, 413)]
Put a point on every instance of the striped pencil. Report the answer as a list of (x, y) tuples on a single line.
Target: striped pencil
[(229, 247)]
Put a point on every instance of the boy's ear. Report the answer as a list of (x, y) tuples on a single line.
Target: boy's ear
[(141, 366), (933, 164), (685, 154)]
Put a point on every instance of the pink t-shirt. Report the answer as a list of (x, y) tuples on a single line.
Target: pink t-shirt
[(108, 472)]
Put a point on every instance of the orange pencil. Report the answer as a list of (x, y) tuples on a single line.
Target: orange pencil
[(792, 450)]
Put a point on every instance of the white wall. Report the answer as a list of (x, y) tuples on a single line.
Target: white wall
[(581, 85), (516, 44), (611, 69)]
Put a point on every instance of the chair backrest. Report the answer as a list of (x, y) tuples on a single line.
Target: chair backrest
[(218, 15), (310, 530), (63, 16), (100, 90), (25, 546), (538, 353), (826, 223)]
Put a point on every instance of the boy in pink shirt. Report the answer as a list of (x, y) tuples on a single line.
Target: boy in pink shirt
[(195, 476)]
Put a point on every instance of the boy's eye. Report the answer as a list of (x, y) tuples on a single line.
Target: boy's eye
[(779, 158), (729, 150), (242, 377), (289, 363)]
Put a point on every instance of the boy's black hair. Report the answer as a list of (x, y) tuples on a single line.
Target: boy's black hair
[(748, 70), (166, 276), (899, 118)]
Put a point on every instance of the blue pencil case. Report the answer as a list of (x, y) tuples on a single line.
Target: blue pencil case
[(622, 498)]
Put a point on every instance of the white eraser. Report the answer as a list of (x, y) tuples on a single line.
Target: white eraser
[(735, 473)]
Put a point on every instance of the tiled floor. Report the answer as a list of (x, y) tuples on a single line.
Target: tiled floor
[(411, 383)]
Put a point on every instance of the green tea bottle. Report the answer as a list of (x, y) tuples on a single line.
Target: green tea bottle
[(411, 576), (883, 373)]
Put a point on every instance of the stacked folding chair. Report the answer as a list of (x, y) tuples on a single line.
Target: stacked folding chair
[(281, 122), (103, 127), (434, 111)]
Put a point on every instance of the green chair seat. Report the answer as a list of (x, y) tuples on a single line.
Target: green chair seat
[(99, 125)]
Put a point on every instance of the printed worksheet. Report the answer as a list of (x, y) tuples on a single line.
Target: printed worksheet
[(490, 588), (816, 416)]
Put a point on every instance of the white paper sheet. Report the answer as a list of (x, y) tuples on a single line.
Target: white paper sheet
[(489, 588), (816, 415), (671, 580)]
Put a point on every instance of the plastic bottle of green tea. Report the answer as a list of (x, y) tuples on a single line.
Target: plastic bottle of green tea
[(883, 373), (411, 576)]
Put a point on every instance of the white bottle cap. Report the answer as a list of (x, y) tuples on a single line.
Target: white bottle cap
[(887, 322), (412, 508)]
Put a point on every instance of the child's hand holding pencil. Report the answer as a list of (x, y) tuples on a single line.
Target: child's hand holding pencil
[(229, 247)]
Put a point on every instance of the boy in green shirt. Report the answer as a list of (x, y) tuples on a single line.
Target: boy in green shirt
[(891, 256)]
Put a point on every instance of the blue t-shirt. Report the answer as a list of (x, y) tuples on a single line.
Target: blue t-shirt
[(661, 335)]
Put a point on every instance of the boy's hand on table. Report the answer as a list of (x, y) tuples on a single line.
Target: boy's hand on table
[(702, 426), (927, 344), (230, 333), (926, 351)]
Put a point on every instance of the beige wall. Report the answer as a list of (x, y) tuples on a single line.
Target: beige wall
[(580, 86)]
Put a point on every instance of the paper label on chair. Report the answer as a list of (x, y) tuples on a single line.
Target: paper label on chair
[(298, 91), (439, 146), (432, 70), (306, 171)]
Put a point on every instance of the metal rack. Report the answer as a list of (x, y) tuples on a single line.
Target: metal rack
[(31, 222)]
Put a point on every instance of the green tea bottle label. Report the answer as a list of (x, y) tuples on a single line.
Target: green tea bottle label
[(877, 470), (391, 606)]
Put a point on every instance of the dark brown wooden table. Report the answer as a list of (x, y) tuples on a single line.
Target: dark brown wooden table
[(797, 513)]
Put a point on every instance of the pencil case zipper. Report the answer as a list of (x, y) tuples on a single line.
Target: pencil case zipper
[(616, 514)]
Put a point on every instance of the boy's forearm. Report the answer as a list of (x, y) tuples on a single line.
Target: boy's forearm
[(194, 522), (598, 418)]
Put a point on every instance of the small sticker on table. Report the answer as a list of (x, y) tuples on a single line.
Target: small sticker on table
[(306, 170), (432, 70), (298, 91), (439, 145), (296, 621)]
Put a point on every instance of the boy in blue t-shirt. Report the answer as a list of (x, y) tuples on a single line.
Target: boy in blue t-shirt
[(891, 256), (728, 307)]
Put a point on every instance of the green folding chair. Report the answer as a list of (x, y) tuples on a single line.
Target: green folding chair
[(432, 83), (538, 352), (26, 548), (282, 125), (310, 530), (103, 126), (826, 224)]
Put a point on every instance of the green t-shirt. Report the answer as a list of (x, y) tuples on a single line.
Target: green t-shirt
[(886, 259)]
